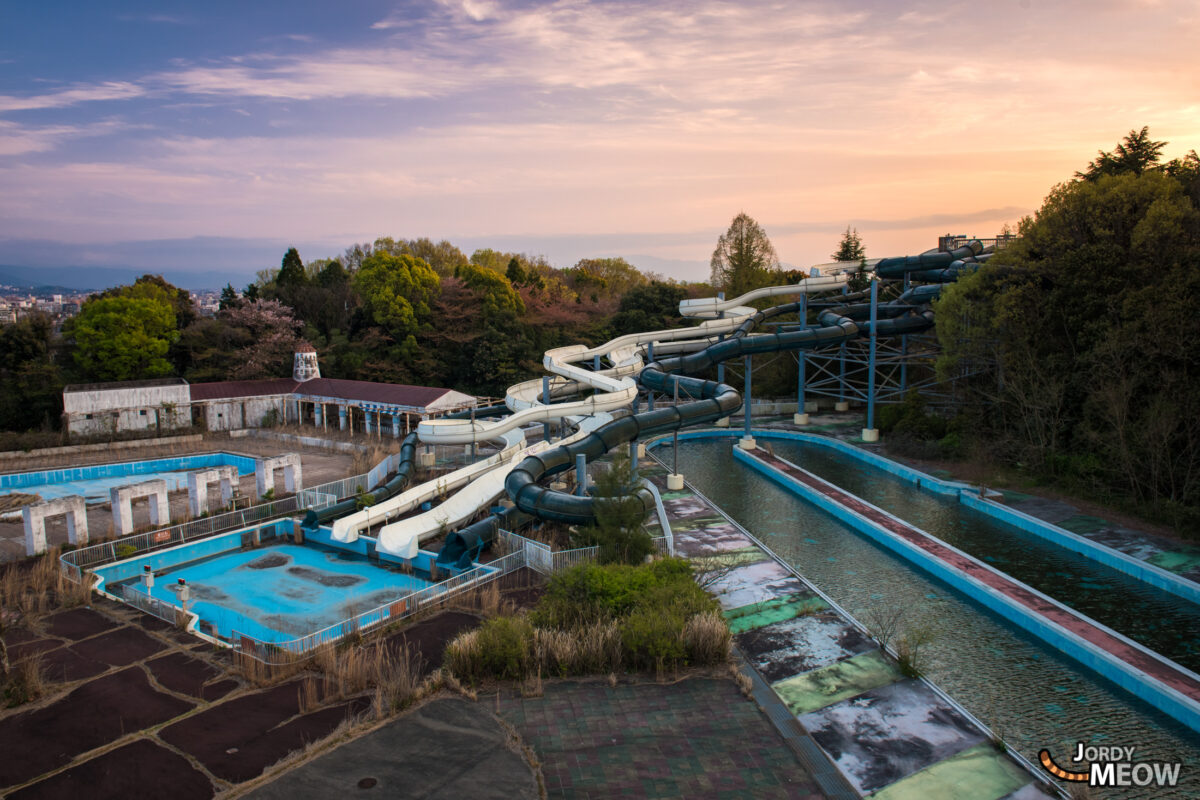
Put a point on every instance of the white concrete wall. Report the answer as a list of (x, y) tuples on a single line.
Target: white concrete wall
[(245, 412), (137, 397), (137, 409)]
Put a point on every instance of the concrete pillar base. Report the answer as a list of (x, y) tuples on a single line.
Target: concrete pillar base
[(747, 443), (841, 405), (558, 486), (870, 434), (425, 459), (799, 419), (641, 450), (723, 422), (674, 482)]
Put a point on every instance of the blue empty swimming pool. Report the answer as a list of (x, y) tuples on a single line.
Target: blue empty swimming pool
[(283, 591), (95, 481)]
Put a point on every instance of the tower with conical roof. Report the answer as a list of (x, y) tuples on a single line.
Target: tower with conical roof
[(304, 366)]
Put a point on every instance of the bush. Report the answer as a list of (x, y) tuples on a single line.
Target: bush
[(499, 648), (591, 593), (125, 551), (653, 638), (910, 417), (597, 619)]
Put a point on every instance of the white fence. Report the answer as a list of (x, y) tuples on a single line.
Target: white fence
[(542, 558)]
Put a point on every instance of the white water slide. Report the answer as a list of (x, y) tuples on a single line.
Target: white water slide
[(482, 483)]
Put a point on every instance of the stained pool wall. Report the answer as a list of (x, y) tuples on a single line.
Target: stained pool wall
[(132, 568), (1161, 696), (969, 496), (20, 480)]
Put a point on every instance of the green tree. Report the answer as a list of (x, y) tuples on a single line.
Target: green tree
[(514, 273), (30, 381), (1135, 154), (620, 530), (496, 355), (291, 271), (396, 292), (850, 248), (123, 338), (654, 306), (229, 298), (744, 259), (1080, 346)]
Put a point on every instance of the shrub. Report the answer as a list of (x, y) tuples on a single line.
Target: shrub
[(653, 638), (125, 551), (499, 648), (590, 593), (597, 619)]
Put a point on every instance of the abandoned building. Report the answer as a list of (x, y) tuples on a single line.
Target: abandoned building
[(386, 409)]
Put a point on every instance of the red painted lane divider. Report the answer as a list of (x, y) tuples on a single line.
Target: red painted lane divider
[(1164, 671)]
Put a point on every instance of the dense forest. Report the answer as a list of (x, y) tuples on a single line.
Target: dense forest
[(415, 312), (1072, 354), (1082, 339)]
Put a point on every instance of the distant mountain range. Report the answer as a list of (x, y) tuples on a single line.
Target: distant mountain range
[(61, 280)]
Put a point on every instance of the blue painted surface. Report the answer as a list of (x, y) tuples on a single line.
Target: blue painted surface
[(95, 481), (283, 591), (1160, 696)]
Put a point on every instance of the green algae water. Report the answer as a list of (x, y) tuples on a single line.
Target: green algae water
[(1029, 694)]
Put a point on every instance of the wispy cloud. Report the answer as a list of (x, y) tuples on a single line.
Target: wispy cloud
[(160, 19), (109, 90), (17, 139), (490, 117)]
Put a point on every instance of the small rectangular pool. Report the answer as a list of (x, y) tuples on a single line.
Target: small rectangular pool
[(95, 481), (274, 592)]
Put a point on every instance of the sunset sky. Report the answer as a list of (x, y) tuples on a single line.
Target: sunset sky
[(212, 135)]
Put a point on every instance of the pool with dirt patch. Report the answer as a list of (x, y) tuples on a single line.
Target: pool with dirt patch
[(275, 592)]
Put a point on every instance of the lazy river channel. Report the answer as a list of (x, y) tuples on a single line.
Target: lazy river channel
[(1026, 692)]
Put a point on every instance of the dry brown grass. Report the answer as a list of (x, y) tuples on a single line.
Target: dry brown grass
[(32, 589), (744, 682), (707, 638), (25, 682), (260, 674), (395, 677), (309, 695)]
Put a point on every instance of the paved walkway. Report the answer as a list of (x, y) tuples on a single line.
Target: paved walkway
[(696, 738), (447, 749)]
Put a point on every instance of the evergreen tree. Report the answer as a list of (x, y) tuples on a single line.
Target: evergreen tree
[(229, 297), (1135, 154), (291, 271), (850, 248)]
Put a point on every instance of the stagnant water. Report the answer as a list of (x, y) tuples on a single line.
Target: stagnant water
[(1028, 693), (1159, 620)]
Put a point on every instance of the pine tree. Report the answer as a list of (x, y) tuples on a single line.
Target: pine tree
[(850, 248)]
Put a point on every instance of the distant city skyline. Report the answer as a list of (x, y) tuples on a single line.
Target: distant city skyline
[(208, 138)]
